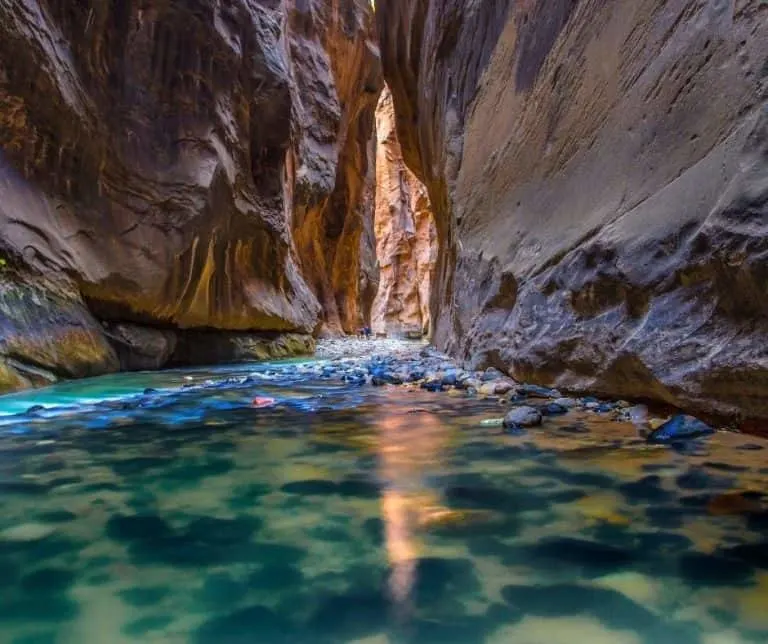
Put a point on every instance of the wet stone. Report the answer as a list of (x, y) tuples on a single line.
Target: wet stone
[(680, 428), (522, 417)]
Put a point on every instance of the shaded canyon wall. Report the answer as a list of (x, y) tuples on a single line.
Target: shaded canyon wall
[(162, 165), (406, 238), (599, 175)]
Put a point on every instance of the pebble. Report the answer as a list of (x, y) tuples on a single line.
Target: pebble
[(522, 417), (568, 403), (492, 422)]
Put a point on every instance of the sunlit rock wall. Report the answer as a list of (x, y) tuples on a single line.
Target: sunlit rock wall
[(406, 239)]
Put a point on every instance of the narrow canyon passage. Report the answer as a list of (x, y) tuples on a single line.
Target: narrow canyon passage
[(551, 214), (406, 237)]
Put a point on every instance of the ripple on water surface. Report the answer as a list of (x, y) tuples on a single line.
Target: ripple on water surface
[(158, 508)]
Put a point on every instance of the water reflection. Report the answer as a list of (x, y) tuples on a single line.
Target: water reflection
[(410, 447)]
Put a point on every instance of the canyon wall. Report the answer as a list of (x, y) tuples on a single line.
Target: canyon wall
[(599, 175), (335, 62), (406, 239), (162, 166)]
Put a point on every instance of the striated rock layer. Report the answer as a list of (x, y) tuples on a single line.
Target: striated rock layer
[(152, 157), (599, 175), (335, 63), (406, 239)]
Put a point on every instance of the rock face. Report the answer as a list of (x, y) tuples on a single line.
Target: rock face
[(599, 174), (406, 238), (162, 164), (335, 63)]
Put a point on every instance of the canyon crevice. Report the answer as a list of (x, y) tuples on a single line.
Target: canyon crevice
[(599, 176), (406, 239)]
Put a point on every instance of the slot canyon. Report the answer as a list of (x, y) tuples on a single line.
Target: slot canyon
[(234, 188), (392, 322)]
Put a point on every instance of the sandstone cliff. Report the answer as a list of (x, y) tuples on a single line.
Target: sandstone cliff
[(335, 63), (151, 157), (599, 174), (406, 238)]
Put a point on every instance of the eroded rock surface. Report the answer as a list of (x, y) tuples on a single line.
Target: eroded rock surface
[(152, 155), (599, 174), (335, 63), (406, 238)]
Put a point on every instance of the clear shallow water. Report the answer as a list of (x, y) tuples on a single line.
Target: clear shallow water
[(366, 515)]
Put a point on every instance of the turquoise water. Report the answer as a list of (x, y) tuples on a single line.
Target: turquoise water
[(368, 515)]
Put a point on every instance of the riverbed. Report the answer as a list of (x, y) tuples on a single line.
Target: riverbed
[(266, 504)]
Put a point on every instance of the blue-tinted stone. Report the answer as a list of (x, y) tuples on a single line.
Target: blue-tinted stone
[(553, 409), (680, 428)]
